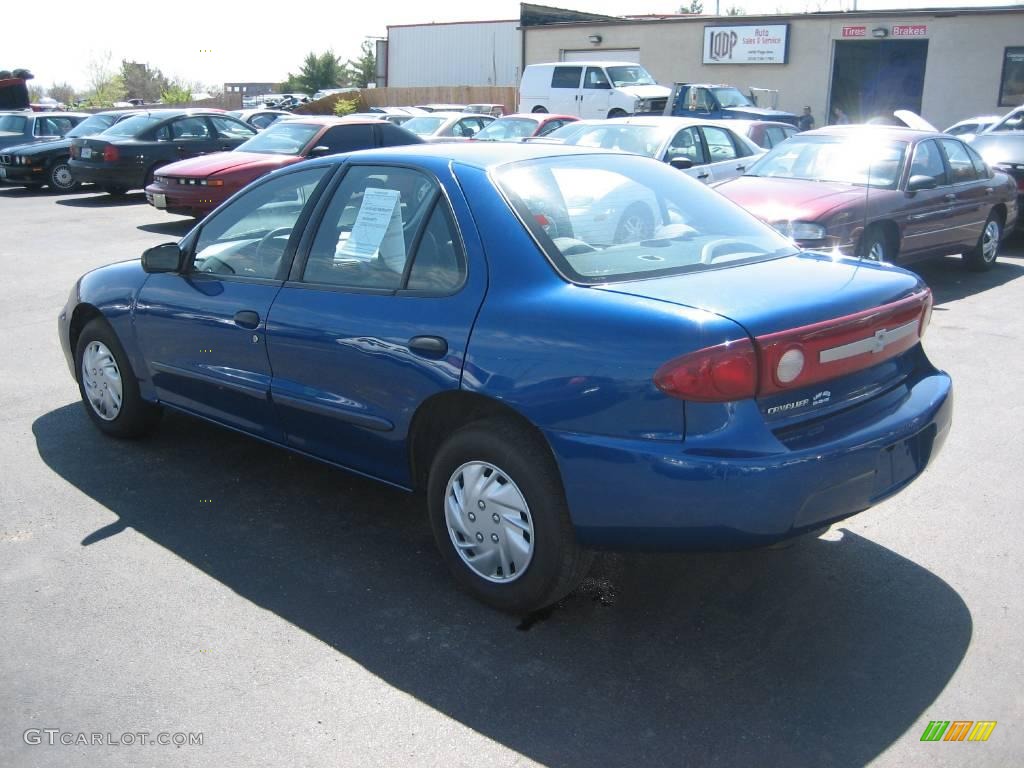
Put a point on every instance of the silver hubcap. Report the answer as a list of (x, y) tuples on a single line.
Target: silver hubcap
[(102, 381), (877, 252), (62, 177), (489, 522), (633, 229), (990, 241)]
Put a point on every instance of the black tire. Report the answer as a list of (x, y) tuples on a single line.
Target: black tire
[(876, 245), (60, 179), (540, 110), (136, 417), (114, 190), (557, 563), (636, 224), (618, 113), (983, 256)]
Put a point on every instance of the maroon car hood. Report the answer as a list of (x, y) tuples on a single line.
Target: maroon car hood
[(788, 199), (228, 162)]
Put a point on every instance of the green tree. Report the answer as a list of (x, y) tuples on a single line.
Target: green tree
[(63, 92), (363, 70), (176, 93), (735, 10), (141, 81), (35, 93), (695, 6), (346, 106), (105, 85), (316, 73)]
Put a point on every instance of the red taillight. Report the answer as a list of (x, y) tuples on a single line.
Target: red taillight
[(110, 153), (712, 375), (798, 357)]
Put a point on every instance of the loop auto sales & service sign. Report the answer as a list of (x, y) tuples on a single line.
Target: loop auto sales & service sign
[(753, 44)]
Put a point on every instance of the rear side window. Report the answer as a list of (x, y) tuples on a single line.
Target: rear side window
[(347, 138), (231, 129), (12, 123), (370, 228), (960, 165), (720, 144), (393, 136), (984, 172), (566, 77)]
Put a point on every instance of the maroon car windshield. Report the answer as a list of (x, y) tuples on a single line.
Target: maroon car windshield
[(864, 159)]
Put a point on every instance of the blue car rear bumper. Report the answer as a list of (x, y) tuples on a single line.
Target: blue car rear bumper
[(655, 495)]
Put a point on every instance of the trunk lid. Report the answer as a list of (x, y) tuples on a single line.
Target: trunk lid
[(88, 150), (854, 325)]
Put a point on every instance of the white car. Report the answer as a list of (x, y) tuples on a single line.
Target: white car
[(591, 89), (972, 126), (447, 126), (708, 150)]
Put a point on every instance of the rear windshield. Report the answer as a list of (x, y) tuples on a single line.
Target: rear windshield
[(12, 124), (507, 129), (618, 136), (424, 126), (281, 139), (609, 218), (133, 126), (91, 125)]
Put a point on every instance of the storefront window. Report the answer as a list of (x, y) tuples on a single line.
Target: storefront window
[(1011, 86)]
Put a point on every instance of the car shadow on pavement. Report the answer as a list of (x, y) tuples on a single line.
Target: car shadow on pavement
[(178, 228), (951, 281), (821, 654), (103, 200)]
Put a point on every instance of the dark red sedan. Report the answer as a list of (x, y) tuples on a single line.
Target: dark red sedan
[(884, 193), (196, 186)]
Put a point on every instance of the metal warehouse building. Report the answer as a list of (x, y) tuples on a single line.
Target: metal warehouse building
[(944, 64), (460, 53)]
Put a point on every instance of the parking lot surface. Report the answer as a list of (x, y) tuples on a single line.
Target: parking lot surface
[(199, 582)]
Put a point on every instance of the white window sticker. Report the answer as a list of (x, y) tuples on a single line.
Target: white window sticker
[(378, 229)]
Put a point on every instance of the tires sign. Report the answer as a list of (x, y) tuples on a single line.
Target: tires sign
[(746, 44)]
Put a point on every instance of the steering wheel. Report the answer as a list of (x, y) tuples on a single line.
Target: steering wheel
[(260, 255), (217, 266), (709, 253)]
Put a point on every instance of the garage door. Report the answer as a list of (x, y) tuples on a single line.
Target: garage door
[(610, 54)]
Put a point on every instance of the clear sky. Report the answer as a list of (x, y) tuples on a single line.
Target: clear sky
[(213, 42)]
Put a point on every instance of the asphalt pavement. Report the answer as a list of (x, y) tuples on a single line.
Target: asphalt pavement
[(199, 586)]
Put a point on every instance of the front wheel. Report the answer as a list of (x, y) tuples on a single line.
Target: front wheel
[(877, 245), (109, 389), (500, 518), (983, 256), (60, 177)]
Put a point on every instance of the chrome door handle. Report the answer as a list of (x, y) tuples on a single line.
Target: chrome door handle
[(429, 346)]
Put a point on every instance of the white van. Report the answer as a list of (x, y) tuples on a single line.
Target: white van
[(591, 89)]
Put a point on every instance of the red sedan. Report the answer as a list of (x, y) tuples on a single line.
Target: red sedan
[(887, 194), (521, 126), (196, 186)]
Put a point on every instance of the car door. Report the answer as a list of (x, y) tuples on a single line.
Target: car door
[(926, 213), (203, 332), (972, 196), (687, 144), (565, 91), (595, 98), (725, 159), (229, 133), (186, 137), (376, 317)]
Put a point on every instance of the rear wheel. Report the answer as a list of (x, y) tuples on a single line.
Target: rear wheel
[(984, 254), (539, 111), (500, 518), (636, 224), (60, 177), (109, 389), (877, 245), (618, 113)]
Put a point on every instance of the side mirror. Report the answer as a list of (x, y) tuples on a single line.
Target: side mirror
[(682, 163), (919, 182), (319, 151), (166, 257)]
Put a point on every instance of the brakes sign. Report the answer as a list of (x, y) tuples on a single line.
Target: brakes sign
[(909, 30)]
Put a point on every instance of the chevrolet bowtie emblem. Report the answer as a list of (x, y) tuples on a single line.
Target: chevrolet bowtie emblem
[(872, 344)]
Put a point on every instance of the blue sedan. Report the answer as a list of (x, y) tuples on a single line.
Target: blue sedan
[(565, 349)]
